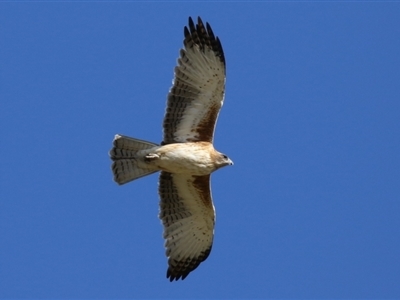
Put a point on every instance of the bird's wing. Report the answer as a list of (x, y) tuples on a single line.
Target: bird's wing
[(188, 216), (197, 94)]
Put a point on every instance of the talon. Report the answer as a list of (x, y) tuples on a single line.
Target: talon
[(150, 157)]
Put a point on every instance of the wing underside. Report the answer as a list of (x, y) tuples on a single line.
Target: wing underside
[(197, 94), (187, 213)]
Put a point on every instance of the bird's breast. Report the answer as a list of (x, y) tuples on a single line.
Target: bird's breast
[(188, 158)]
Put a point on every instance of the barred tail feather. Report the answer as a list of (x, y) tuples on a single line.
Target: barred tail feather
[(124, 154), (127, 147), (126, 170)]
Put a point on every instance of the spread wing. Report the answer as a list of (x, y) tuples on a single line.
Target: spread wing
[(197, 94), (187, 213)]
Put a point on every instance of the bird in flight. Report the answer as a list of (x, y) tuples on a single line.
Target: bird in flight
[(186, 156)]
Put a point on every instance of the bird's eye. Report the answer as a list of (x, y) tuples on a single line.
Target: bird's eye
[(224, 156)]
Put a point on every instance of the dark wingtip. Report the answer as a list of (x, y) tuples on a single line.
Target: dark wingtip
[(204, 37), (175, 277), (199, 21), (174, 273), (191, 25)]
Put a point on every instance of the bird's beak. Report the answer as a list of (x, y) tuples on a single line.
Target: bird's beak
[(230, 163)]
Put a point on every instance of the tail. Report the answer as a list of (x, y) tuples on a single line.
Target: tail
[(124, 154)]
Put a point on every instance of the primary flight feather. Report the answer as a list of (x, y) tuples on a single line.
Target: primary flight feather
[(186, 156)]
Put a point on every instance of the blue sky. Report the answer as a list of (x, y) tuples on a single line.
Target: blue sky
[(311, 119)]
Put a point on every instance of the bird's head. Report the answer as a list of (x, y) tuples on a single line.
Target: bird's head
[(223, 160)]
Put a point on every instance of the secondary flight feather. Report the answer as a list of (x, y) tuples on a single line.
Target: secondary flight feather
[(186, 156)]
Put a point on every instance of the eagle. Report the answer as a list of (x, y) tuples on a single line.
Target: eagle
[(186, 156)]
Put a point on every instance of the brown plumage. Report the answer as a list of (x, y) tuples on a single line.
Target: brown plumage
[(186, 156)]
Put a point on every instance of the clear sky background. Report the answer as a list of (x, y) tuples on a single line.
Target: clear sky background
[(311, 208)]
